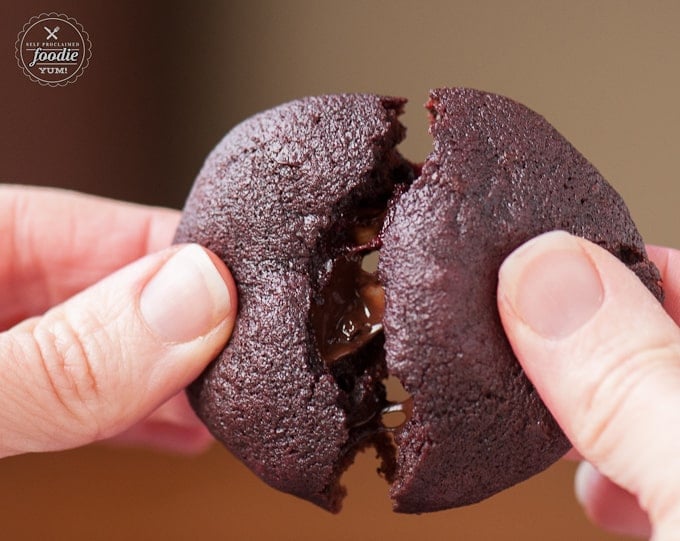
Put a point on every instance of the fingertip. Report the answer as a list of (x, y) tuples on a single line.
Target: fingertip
[(189, 296), (585, 480), (227, 277), (608, 505), (667, 260), (550, 285)]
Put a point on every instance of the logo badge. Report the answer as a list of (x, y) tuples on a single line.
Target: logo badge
[(53, 49)]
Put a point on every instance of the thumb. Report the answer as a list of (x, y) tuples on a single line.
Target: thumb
[(106, 358), (605, 358)]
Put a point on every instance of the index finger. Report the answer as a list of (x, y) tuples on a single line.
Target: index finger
[(55, 243)]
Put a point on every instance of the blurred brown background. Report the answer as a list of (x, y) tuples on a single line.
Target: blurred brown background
[(166, 80)]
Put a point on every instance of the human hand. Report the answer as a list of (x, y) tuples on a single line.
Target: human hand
[(605, 358), (120, 334)]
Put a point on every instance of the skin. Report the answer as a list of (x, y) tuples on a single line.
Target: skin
[(605, 357), (87, 356), (81, 363)]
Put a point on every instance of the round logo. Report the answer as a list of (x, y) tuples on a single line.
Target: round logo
[(53, 49)]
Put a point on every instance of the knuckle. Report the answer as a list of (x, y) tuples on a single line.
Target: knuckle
[(605, 416), (67, 355)]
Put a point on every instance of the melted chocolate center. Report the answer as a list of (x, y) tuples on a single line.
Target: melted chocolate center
[(346, 316), (349, 310)]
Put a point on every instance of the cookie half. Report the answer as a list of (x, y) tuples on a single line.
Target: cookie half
[(499, 174), (282, 197)]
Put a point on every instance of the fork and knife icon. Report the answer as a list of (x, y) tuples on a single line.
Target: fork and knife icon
[(51, 34)]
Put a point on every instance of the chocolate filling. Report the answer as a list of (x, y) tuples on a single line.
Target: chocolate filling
[(349, 310), (346, 313)]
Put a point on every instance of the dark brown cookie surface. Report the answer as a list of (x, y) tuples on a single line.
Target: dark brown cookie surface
[(294, 197), (499, 175)]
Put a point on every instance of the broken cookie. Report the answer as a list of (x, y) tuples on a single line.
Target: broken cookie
[(298, 201)]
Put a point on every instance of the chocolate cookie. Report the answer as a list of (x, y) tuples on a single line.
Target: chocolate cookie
[(293, 200), (499, 175)]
